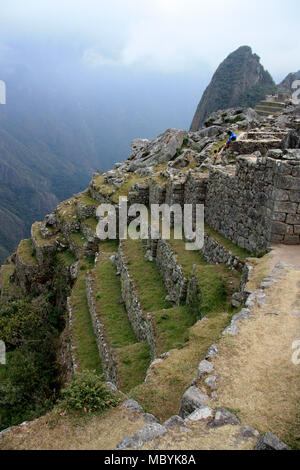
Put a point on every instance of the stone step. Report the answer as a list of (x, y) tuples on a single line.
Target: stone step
[(276, 104), (248, 147), (125, 361)]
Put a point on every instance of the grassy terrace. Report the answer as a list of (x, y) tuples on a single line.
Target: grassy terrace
[(67, 258), (171, 328), (109, 304), (147, 279), (132, 364), (237, 251), (132, 358), (82, 328), (109, 246), (170, 324), (174, 330), (217, 283), (78, 239), (91, 222), (26, 252)]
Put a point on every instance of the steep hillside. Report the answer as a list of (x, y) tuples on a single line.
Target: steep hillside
[(240, 80), (46, 154)]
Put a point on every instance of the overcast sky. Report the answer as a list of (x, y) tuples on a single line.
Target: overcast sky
[(166, 36)]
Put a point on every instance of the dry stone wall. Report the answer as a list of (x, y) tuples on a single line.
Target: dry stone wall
[(141, 321), (106, 353), (259, 204), (286, 202), (174, 279)]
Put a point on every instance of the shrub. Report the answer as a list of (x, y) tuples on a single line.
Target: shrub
[(87, 392), (236, 119)]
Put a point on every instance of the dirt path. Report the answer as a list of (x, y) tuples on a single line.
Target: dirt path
[(256, 376)]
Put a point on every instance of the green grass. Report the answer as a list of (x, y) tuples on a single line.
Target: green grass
[(171, 328), (87, 200), (109, 304), (5, 272), (132, 358), (185, 258), (26, 252), (217, 147), (109, 246), (67, 258), (98, 181), (92, 223), (132, 363), (237, 251), (217, 283), (147, 279), (78, 239), (82, 328)]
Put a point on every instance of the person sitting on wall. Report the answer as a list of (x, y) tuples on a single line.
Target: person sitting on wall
[(232, 138)]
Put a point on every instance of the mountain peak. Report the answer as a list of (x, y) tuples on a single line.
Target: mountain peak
[(240, 80)]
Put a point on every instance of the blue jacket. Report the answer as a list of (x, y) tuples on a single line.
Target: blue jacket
[(232, 137)]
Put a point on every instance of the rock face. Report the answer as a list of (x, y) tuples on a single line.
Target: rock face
[(160, 150), (239, 81)]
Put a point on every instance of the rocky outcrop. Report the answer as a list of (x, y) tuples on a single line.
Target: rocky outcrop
[(239, 81), (160, 150)]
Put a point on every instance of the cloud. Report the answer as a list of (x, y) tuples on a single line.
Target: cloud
[(172, 36)]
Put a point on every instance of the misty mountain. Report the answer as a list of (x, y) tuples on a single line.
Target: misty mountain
[(240, 80)]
